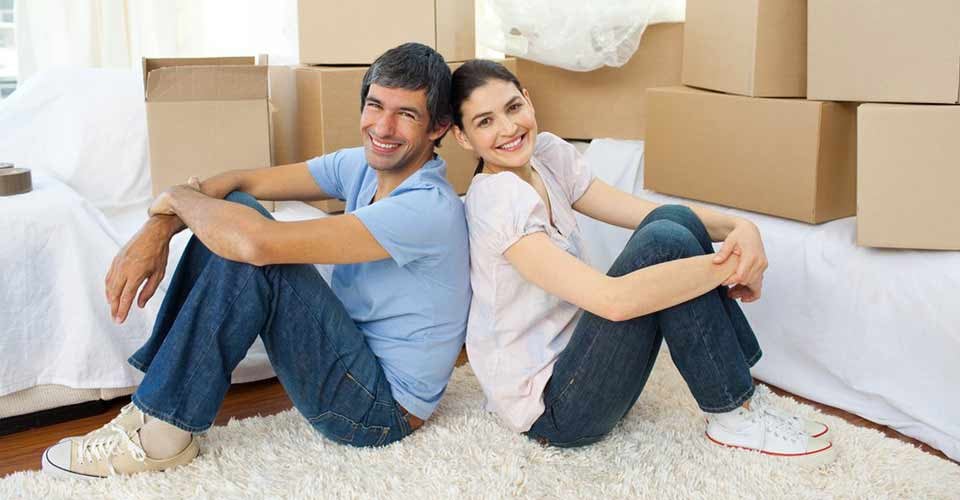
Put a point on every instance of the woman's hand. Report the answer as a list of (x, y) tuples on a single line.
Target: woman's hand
[(744, 241)]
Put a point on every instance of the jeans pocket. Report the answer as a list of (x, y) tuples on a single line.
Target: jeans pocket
[(335, 427)]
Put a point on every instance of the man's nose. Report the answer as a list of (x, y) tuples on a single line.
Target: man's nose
[(386, 125)]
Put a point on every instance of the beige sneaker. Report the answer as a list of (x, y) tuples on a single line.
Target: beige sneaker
[(110, 450)]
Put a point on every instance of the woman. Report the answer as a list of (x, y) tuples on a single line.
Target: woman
[(563, 351)]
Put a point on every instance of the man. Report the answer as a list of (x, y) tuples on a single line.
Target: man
[(365, 359)]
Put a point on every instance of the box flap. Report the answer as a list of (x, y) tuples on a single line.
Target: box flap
[(206, 83), (152, 63)]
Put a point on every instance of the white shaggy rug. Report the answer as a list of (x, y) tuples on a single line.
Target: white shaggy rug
[(658, 452)]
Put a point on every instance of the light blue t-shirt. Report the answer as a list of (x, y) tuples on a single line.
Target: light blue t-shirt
[(412, 307)]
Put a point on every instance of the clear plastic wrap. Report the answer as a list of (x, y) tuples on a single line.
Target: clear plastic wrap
[(572, 34)]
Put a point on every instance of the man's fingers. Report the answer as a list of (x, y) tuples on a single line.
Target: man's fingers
[(126, 299), (149, 289)]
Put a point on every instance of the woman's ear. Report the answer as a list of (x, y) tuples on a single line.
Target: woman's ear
[(462, 138), (526, 95)]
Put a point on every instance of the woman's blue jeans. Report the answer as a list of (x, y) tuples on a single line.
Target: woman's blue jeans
[(599, 375), (213, 311)]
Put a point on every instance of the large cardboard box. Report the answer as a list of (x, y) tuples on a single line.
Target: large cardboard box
[(608, 102), (791, 158), (747, 47), (328, 119), (205, 116), (908, 166), (335, 32), (884, 50)]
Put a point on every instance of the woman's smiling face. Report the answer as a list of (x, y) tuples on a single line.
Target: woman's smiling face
[(499, 124)]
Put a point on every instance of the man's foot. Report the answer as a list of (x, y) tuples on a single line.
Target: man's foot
[(111, 450), (762, 399), (759, 430)]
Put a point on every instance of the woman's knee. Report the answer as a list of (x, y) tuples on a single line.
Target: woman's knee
[(248, 200), (681, 214), (666, 240)]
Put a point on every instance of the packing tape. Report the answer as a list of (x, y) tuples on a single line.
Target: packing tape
[(15, 181)]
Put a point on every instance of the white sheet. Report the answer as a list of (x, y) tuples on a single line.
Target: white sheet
[(873, 332)]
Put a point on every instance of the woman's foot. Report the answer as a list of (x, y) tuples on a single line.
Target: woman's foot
[(758, 429), (762, 399), (115, 448)]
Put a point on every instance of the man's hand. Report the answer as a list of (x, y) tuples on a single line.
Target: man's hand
[(163, 204), (143, 258), (745, 242)]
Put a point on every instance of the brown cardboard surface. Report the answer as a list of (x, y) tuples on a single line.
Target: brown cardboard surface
[(791, 158), (908, 173), (884, 51), (204, 119), (358, 32), (608, 102), (328, 119), (749, 47)]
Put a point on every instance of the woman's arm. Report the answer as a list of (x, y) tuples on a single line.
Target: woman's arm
[(641, 292)]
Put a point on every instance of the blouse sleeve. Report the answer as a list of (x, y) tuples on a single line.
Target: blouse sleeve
[(567, 164), (501, 209)]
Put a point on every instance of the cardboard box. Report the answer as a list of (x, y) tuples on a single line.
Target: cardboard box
[(908, 165), (205, 116), (333, 32), (747, 47), (608, 102), (329, 119), (791, 158), (884, 51)]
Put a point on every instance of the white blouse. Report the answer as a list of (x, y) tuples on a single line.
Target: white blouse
[(516, 329)]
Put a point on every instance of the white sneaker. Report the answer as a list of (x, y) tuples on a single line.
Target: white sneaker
[(110, 450), (762, 398), (759, 430)]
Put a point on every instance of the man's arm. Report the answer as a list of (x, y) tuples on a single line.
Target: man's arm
[(144, 257), (237, 232)]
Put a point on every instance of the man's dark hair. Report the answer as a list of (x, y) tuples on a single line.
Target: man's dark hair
[(414, 66)]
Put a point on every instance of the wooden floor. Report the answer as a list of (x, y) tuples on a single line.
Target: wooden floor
[(22, 451)]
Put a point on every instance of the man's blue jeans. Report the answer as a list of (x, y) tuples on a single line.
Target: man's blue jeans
[(600, 374), (213, 311)]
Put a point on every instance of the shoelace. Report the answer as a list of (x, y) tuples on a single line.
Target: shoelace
[(107, 442), (774, 419), (762, 397)]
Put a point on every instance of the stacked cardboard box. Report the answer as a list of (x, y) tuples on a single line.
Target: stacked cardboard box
[(338, 42), (751, 141), (205, 116), (908, 155), (607, 102)]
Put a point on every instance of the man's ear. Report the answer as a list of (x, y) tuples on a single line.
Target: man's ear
[(438, 131), (462, 138)]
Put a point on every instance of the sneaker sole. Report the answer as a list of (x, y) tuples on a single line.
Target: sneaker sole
[(812, 459)]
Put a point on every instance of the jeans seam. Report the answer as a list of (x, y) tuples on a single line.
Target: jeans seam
[(737, 402)]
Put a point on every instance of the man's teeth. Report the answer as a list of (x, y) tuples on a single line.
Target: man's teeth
[(383, 145), (513, 143)]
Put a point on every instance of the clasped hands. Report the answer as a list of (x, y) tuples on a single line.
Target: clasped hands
[(744, 241)]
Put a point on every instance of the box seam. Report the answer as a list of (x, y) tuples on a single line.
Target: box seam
[(755, 57), (817, 171)]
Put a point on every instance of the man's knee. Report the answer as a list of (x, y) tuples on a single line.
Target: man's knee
[(248, 200)]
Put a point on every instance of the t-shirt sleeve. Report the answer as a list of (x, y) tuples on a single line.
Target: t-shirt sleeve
[(571, 170), (502, 209), (329, 172), (412, 225)]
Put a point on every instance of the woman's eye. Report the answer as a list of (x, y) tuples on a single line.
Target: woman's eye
[(514, 107), (484, 122)]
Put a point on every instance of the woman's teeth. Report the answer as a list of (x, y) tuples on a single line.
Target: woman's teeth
[(512, 144)]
